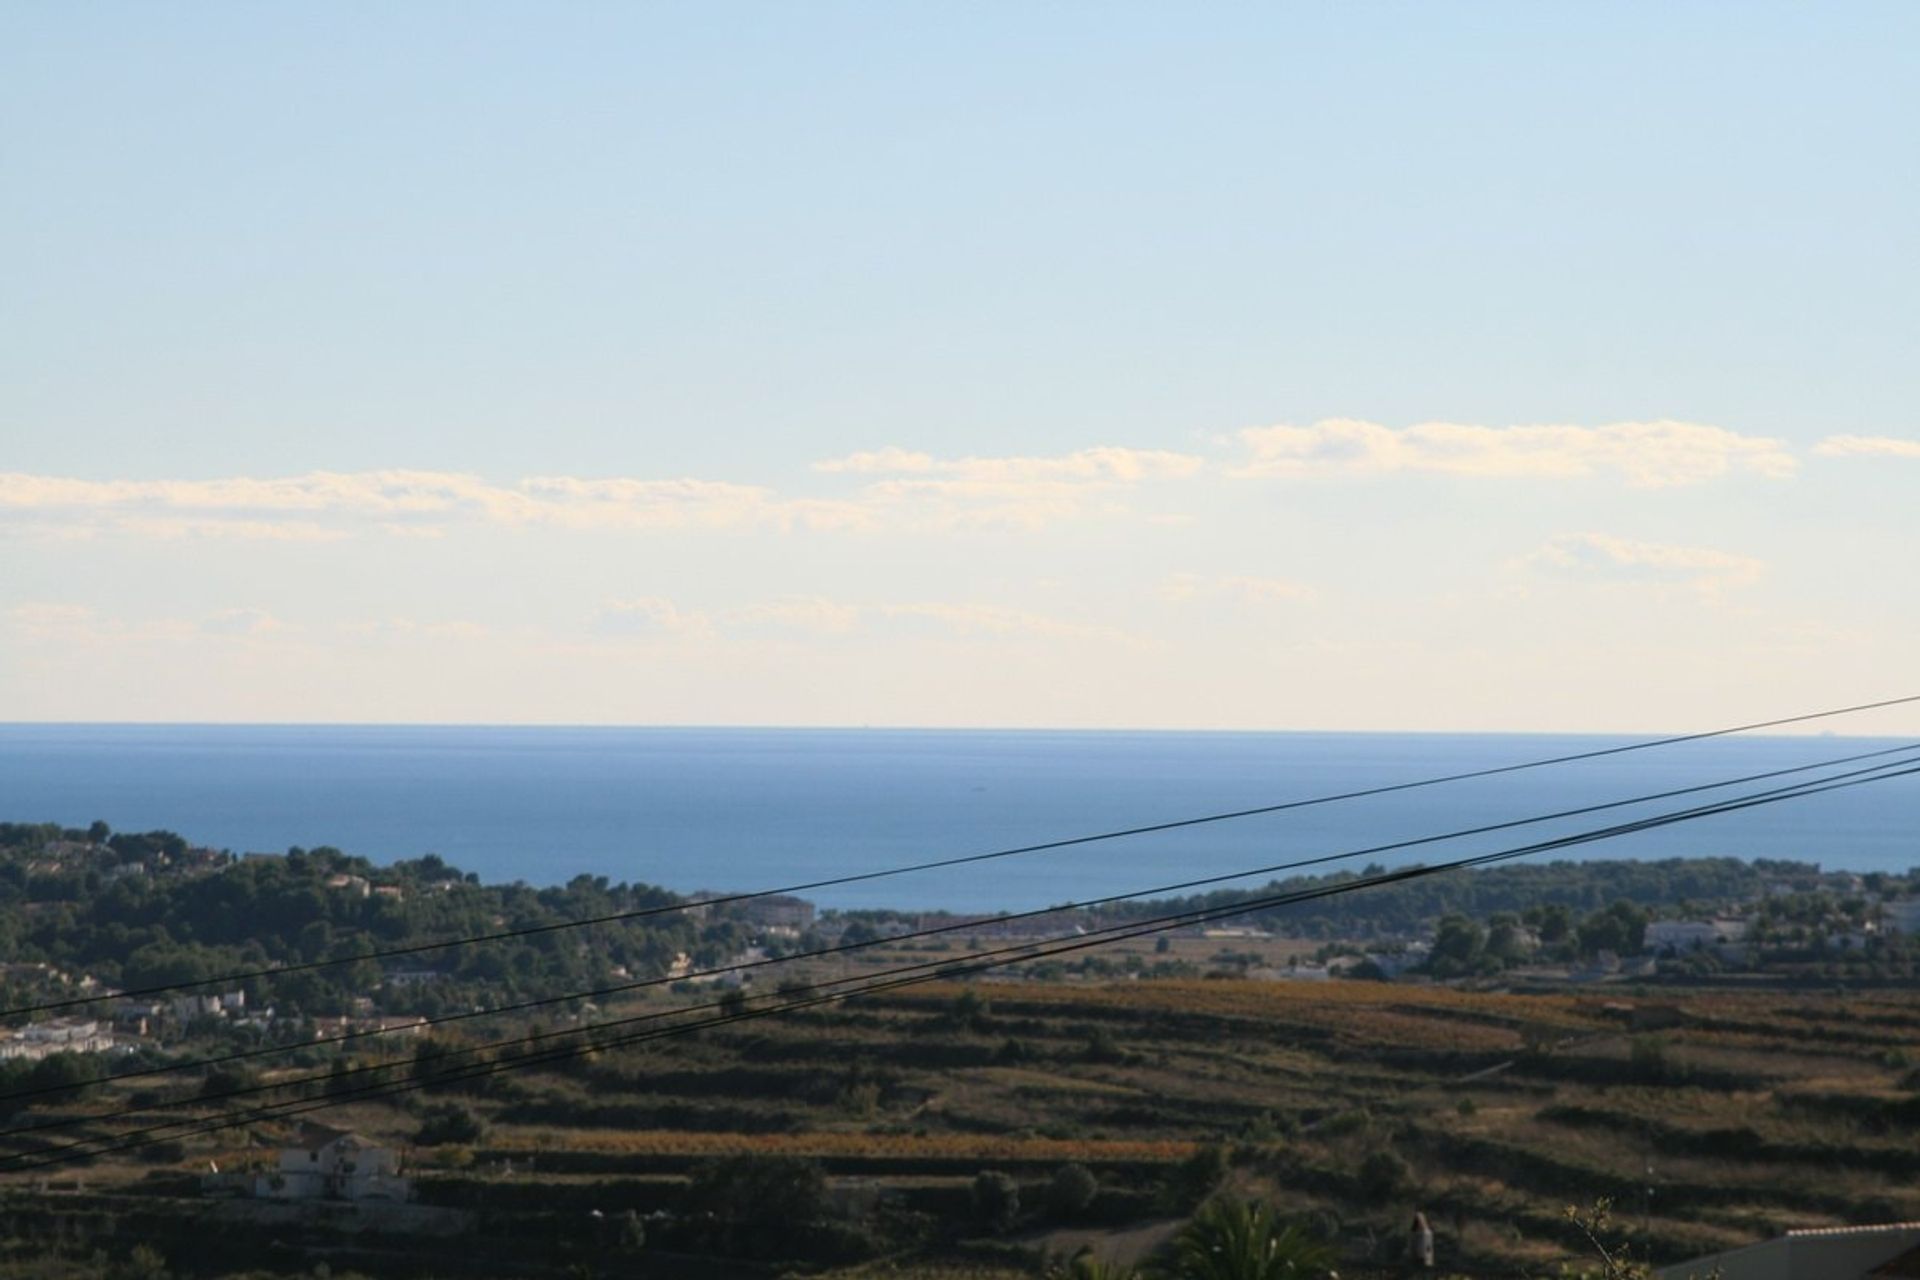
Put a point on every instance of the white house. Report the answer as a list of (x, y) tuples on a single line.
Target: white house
[(331, 1164), (38, 1040), (1687, 935), (1392, 964), (1822, 1253), (1903, 915)]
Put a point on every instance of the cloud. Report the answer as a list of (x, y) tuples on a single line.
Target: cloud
[(1243, 588), (328, 504), (986, 619), (822, 618), (649, 616), (1645, 454), (1599, 556), (241, 622), (1021, 491), (814, 615), (51, 620), (1867, 447), (1107, 464), (170, 529), (400, 628), (75, 625)]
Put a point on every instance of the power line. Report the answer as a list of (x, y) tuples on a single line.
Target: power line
[(962, 860), (840, 949), (940, 969)]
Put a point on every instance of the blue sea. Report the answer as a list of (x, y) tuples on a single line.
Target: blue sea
[(746, 809)]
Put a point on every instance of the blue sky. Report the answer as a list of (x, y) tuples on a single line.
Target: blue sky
[(936, 364)]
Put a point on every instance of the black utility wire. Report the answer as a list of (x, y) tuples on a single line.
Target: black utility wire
[(940, 969), (963, 860), (841, 949)]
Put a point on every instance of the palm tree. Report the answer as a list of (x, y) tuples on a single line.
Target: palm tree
[(1242, 1240)]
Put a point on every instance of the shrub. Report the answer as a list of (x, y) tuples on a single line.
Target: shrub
[(449, 1123), (1384, 1174), (1195, 1178), (760, 1189), (1103, 1048), (1071, 1190), (996, 1200)]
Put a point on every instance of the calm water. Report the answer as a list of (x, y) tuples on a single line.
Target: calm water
[(757, 808)]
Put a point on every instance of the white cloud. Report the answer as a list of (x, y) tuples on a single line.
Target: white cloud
[(414, 629), (1645, 454), (75, 625), (1017, 492), (169, 529), (822, 618), (1867, 447), (1602, 557), (813, 615), (51, 620), (325, 504), (649, 616), (1245, 588), (987, 619), (241, 622), (1107, 464)]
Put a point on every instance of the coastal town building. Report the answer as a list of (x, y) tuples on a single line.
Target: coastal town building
[(224, 1004), (1690, 935), (333, 1164), (781, 913), (1902, 915), (39, 1040)]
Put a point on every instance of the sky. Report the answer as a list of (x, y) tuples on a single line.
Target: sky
[(1365, 366)]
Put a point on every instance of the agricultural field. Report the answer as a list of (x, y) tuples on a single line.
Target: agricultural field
[(1707, 1117)]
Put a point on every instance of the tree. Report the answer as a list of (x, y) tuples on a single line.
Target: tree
[(783, 1190), (1243, 1240), (996, 1200), (1616, 1260), (1620, 928), (1072, 1189), (144, 1263), (1383, 1174), (1195, 1178), (1506, 942), (1458, 944), (449, 1123)]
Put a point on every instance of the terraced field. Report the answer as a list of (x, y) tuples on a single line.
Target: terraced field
[(1348, 1104)]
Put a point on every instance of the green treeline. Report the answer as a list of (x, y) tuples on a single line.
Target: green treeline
[(1411, 907), (145, 910)]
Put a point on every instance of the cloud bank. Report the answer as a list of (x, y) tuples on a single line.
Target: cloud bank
[(893, 489), (327, 504), (1602, 557), (1867, 447), (1644, 454)]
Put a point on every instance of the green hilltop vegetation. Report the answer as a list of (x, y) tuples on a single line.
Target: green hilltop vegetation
[(142, 910), (135, 910), (1409, 907)]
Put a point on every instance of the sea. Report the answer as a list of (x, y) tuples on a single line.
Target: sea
[(743, 809)]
